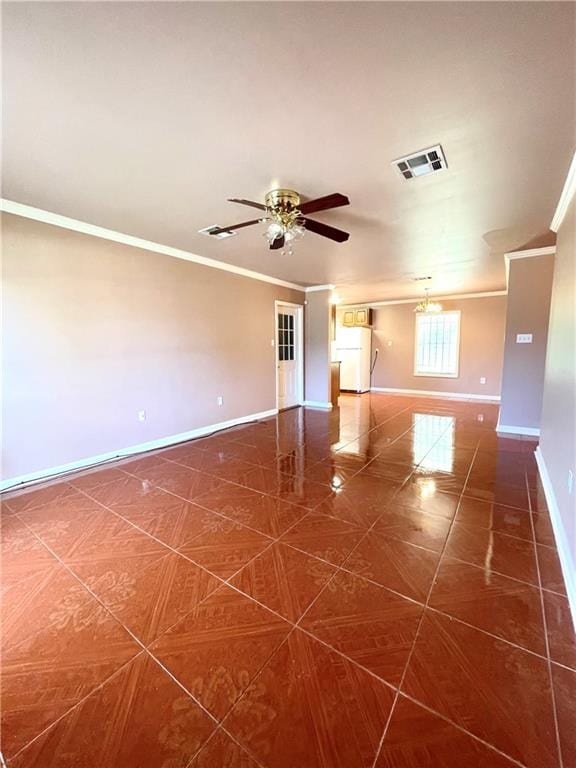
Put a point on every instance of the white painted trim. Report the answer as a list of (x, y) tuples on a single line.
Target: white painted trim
[(55, 219), (317, 404), (566, 564), (566, 196), (511, 430), (299, 346), (312, 288), (432, 393), (548, 250), (152, 445), (453, 297)]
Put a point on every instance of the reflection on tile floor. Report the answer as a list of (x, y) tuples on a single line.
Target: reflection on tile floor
[(376, 586)]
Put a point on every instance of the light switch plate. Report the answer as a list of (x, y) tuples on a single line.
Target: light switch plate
[(523, 338)]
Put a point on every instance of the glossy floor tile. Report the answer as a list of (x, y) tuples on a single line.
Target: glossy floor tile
[(505, 607), (222, 750), (216, 650), (482, 684), (564, 683), (59, 643), (373, 587), (284, 579), (417, 738), (154, 723), (311, 706), (392, 563), (368, 623)]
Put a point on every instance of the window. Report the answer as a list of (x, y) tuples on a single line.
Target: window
[(285, 337), (437, 344)]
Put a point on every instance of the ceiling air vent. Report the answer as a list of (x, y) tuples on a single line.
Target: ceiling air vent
[(208, 232), (421, 163)]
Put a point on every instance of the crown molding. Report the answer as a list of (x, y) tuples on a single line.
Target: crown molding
[(548, 250), (566, 197), (455, 296), (64, 222), (312, 288)]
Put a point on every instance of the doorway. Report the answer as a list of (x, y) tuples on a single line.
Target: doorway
[(289, 355)]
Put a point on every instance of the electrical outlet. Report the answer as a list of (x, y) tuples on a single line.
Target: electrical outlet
[(141, 415), (389, 342), (570, 481), (482, 379), (220, 400), (480, 417)]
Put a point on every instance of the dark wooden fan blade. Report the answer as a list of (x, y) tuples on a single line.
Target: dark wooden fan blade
[(324, 203), (235, 227), (277, 243), (247, 202), (323, 229)]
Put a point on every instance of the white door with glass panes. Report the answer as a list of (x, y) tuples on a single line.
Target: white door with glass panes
[(287, 351)]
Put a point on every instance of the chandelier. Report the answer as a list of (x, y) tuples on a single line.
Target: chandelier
[(284, 218), (428, 306)]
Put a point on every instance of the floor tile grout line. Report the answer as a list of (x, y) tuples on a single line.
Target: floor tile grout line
[(77, 704), (225, 481), (158, 451), (418, 628), (461, 728), (220, 729), (223, 582), (203, 568), (110, 463), (546, 639), (308, 513), (147, 648), (296, 626), (340, 568), (143, 647), (286, 454)]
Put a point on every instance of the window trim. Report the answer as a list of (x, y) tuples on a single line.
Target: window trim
[(456, 375)]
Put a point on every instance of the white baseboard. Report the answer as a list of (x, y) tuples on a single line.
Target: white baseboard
[(317, 404), (121, 453), (566, 563), (510, 430), (432, 393)]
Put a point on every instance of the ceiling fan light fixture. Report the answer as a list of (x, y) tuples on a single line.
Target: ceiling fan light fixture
[(274, 231), (286, 219)]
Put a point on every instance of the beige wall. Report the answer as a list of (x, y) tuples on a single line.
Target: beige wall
[(558, 422), (482, 326), (94, 331), (528, 311), (317, 354)]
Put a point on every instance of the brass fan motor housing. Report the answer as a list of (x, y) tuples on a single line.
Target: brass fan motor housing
[(282, 200)]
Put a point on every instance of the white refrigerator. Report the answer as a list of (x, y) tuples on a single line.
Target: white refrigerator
[(353, 348)]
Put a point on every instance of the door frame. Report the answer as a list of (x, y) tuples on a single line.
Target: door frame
[(299, 346)]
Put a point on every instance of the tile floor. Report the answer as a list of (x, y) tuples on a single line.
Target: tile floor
[(375, 587)]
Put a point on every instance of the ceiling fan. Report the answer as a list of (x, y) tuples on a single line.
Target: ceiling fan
[(286, 217)]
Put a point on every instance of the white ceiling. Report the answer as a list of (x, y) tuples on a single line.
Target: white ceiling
[(145, 117)]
